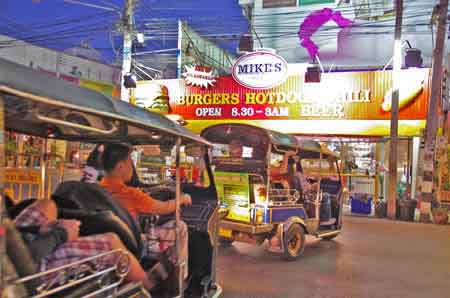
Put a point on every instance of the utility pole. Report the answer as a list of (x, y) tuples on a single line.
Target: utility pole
[(432, 116), (392, 192), (128, 29)]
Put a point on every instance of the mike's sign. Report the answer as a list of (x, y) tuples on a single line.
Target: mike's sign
[(260, 70)]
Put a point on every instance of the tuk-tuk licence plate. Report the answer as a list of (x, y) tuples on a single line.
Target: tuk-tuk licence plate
[(225, 232)]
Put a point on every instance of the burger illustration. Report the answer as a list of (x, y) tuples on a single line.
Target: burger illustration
[(412, 84), (407, 94), (154, 97)]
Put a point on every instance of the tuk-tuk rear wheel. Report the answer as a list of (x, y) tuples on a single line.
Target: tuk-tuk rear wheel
[(294, 242)]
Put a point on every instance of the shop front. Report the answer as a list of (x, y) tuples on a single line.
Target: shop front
[(350, 111)]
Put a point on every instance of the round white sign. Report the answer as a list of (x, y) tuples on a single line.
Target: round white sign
[(260, 70)]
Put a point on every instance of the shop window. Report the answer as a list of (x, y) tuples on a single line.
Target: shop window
[(373, 9), (311, 2), (279, 3)]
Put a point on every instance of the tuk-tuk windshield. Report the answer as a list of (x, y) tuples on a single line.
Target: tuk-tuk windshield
[(238, 157), (225, 151)]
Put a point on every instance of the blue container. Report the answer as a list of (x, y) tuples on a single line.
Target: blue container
[(358, 205)]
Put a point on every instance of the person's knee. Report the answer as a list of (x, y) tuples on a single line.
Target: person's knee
[(183, 228), (48, 207), (184, 232), (115, 241)]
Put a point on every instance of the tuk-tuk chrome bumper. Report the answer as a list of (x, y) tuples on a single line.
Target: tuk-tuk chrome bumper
[(246, 228)]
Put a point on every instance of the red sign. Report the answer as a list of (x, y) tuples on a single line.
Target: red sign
[(339, 96)]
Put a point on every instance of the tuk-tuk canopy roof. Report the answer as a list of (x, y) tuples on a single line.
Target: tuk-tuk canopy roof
[(41, 105), (316, 148), (309, 145), (249, 135)]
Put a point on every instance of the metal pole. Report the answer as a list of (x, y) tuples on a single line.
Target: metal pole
[(409, 165), (447, 125), (3, 214), (181, 263), (127, 45), (432, 119), (43, 164), (392, 193), (269, 179), (180, 54), (376, 180)]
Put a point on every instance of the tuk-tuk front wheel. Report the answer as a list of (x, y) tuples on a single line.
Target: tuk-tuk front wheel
[(329, 238), (293, 242), (225, 241)]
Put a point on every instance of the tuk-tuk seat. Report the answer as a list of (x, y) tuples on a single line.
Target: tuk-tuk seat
[(13, 209), (101, 212)]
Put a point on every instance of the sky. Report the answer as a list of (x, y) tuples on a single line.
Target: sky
[(59, 25)]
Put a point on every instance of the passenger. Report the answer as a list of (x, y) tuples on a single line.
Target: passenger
[(56, 242), (282, 169), (93, 170), (118, 171), (304, 180), (280, 173)]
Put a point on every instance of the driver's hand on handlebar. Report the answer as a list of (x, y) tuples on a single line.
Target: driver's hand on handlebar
[(290, 153), (185, 199)]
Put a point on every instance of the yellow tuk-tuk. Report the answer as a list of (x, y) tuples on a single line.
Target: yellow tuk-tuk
[(40, 106), (274, 187)]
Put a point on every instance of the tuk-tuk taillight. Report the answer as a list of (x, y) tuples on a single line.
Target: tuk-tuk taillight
[(259, 216)]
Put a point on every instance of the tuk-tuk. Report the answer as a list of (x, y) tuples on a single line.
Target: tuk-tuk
[(37, 105), (303, 198)]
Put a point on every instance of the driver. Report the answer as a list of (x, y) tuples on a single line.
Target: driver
[(236, 148), (118, 166)]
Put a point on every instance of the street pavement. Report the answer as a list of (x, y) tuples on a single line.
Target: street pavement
[(371, 258)]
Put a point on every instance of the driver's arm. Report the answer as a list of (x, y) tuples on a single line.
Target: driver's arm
[(146, 204)]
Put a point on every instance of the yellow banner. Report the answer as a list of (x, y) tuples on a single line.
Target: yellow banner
[(22, 176), (100, 87), (374, 128)]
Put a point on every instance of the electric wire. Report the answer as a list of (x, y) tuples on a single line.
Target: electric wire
[(164, 29)]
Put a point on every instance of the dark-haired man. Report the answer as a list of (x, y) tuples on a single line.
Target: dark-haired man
[(236, 148), (118, 167)]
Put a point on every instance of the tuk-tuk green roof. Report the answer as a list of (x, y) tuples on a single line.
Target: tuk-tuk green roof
[(313, 146), (24, 89), (309, 145), (281, 139)]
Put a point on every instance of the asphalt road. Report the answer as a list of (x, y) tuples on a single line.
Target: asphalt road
[(371, 258)]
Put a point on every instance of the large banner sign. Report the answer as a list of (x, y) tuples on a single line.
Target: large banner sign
[(347, 95), (363, 97)]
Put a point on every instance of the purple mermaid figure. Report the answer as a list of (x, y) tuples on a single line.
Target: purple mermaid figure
[(313, 22)]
